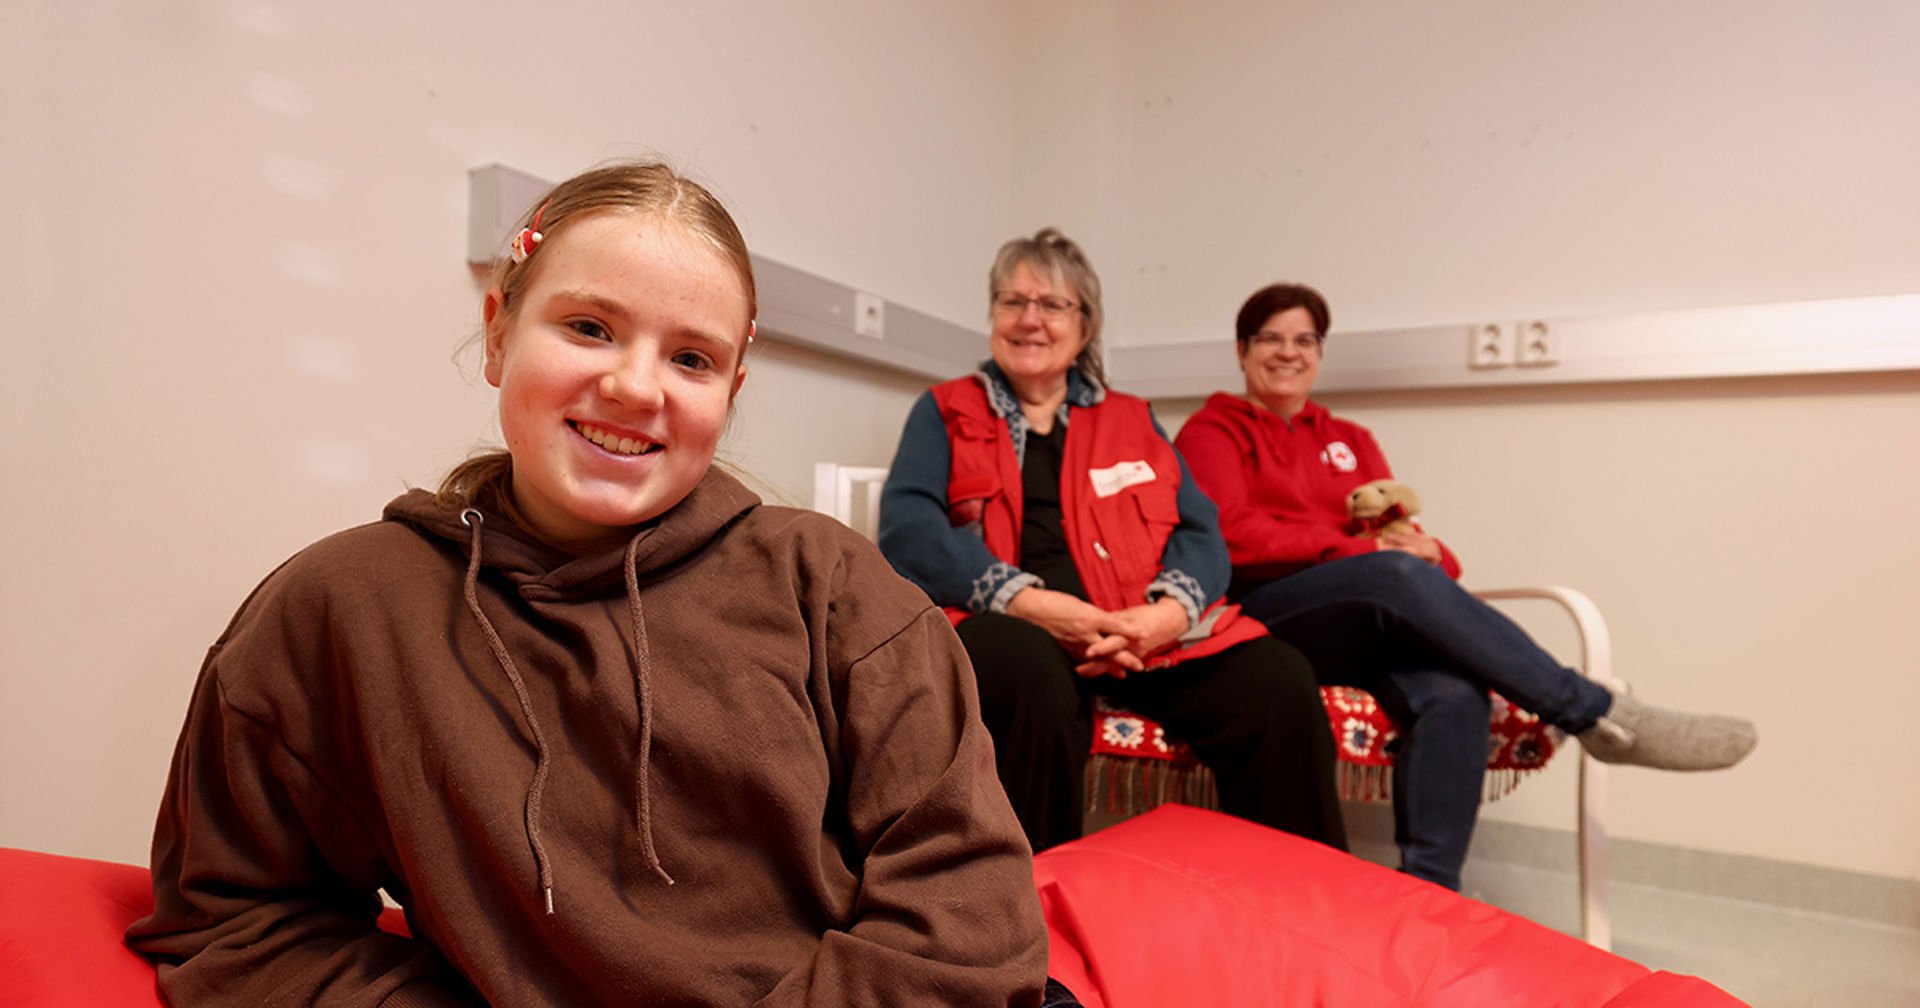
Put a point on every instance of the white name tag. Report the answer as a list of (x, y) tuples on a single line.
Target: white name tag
[(1121, 475)]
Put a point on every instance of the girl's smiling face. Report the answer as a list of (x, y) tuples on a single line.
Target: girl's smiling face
[(616, 367)]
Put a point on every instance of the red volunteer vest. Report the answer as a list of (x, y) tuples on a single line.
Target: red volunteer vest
[(1118, 485)]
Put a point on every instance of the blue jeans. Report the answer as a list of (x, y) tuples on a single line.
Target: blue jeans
[(1400, 628)]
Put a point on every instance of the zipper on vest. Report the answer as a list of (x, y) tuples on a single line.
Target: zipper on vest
[(1102, 550)]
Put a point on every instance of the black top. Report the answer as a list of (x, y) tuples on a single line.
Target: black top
[(1043, 537)]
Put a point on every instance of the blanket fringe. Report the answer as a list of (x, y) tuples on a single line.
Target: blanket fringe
[(1126, 786), (1129, 786), (1361, 783)]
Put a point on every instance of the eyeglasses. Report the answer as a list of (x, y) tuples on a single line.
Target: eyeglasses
[(1015, 305), (1305, 342)]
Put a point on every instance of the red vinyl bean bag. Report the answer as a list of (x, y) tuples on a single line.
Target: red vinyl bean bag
[(1175, 907), (1181, 906)]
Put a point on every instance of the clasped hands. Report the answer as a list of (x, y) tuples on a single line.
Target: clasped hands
[(1108, 643), (1419, 544)]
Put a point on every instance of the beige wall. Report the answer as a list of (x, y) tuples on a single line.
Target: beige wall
[(1425, 164), (1741, 539), (234, 279), (1431, 163)]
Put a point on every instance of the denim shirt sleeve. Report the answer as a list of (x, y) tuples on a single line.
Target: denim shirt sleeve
[(1194, 567), (952, 565)]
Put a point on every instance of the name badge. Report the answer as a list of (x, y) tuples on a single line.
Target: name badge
[(1119, 476)]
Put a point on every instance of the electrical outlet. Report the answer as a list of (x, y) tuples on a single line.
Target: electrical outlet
[(1539, 345), (869, 315), (1490, 345)]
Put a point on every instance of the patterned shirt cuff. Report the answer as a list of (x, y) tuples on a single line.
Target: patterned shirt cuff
[(1181, 588), (997, 586)]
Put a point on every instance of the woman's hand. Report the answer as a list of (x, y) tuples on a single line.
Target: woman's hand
[(1134, 635), (1419, 544), (1076, 623)]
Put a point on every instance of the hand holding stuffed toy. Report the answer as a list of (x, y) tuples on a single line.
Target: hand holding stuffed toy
[(1382, 506)]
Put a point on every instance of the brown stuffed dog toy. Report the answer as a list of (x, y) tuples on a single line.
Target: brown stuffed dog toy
[(1382, 506)]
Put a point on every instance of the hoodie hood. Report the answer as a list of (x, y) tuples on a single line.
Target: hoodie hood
[(1280, 433), (541, 573), (1311, 413)]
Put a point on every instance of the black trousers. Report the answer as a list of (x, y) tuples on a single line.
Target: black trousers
[(1252, 713)]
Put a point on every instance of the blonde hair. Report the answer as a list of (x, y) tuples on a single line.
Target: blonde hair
[(1055, 256), (644, 187)]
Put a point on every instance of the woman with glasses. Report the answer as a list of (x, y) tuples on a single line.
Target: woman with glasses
[(1055, 522), (1385, 613)]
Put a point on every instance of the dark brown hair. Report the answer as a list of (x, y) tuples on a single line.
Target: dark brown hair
[(1274, 299)]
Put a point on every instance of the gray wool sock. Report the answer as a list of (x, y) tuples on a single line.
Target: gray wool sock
[(1641, 734)]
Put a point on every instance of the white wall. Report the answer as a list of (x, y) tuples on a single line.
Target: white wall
[(1742, 539), (234, 279), (1425, 164), (1070, 128), (1432, 163)]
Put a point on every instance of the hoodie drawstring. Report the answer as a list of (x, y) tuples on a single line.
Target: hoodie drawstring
[(644, 680), (472, 519), (643, 659)]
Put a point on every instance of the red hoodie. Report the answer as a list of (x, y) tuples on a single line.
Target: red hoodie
[(1281, 485)]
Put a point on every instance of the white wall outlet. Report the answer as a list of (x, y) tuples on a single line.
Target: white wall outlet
[(1490, 345), (869, 315), (1539, 345)]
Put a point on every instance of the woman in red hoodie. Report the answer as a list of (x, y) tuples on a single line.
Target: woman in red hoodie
[(1386, 613)]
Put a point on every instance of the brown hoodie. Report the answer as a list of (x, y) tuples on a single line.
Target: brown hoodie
[(741, 758)]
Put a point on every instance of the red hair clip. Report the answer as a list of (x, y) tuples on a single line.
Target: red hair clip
[(523, 243)]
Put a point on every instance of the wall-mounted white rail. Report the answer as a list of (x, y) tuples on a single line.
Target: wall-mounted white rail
[(1807, 337), (795, 306)]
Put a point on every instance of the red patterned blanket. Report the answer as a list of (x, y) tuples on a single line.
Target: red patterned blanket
[(1364, 736)]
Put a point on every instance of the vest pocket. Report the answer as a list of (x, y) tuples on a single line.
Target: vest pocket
[(973, 479), (1133, 528)]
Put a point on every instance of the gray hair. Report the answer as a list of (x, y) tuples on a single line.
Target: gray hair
[(1055, 256)]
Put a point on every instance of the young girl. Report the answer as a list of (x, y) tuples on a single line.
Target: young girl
[(609, 729)]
